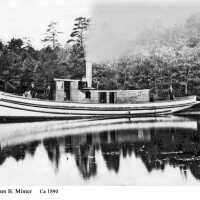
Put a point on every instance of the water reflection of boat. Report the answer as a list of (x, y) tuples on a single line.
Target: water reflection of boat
[(12, 106), (15, 133), (157, 147)]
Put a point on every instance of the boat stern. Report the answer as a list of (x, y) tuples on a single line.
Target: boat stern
[(190, 102)]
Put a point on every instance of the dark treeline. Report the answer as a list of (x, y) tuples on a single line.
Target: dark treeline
[(171, 57)]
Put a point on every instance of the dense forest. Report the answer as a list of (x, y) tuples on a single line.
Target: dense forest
[(170, 57), (163, 57)]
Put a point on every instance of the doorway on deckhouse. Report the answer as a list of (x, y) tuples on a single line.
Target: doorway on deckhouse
[(102, 97), (67, 90), (112, 96)]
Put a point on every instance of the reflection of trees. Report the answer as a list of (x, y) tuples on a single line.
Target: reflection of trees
[(18, 152), (110, 150), (111, 144), (178, 148), (84, 150), (85, 160), (111, 154), (114, 143), (195, 169), (156, 148), (52, 147), (3, 157)]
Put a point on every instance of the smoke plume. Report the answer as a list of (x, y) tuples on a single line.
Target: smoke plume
[(123, 29)]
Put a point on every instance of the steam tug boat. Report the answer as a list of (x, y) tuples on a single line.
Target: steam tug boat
[(77, 99)]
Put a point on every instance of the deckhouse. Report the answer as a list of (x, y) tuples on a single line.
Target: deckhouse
[(81, 91)]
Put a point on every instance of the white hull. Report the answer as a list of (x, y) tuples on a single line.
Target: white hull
[(17, 106)]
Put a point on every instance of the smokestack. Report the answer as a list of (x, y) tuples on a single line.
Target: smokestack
[(89, 74)]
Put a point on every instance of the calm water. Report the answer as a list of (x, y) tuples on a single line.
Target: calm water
[(139, 152)]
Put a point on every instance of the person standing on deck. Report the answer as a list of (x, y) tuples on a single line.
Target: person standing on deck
[(48, 92), (171, 93), (33, 90)]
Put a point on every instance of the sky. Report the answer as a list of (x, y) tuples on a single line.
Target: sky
[(122, 29), (29, 18)]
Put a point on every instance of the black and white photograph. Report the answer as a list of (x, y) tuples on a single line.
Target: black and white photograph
[(99, 93)]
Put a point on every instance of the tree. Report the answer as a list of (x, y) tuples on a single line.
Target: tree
[(51, 36), (78, 34), (188, 58), (15, 44), (77, 52), (16, 63)]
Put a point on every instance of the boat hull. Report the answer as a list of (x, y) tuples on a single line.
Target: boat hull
[(12, 106)]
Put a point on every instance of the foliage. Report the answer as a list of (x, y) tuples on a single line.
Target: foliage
[(172, 57), (77, 52), (78, 33), (51, 36)]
